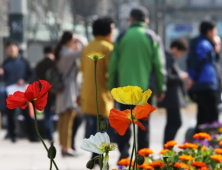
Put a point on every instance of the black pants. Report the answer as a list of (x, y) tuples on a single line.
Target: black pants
[(207, 102), (173, 124), (142, 136), (28, 121), (76, 123)]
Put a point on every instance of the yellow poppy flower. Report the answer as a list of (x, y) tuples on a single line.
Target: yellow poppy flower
[(131, 95), (96, 55)]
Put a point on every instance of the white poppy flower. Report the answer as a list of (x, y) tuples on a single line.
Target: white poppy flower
[(100, 143)]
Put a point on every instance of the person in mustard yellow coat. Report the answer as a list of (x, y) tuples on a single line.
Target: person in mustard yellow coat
[(102, 31)]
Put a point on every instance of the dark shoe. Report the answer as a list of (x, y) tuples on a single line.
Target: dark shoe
[(14, 139), (34, 139), (68, 154)]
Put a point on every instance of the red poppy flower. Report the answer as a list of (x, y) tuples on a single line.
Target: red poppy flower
[(120, 120), (32, 93)]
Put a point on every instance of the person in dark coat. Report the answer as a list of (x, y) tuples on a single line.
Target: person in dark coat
[(16, 70), (174, 98), (41, 68)]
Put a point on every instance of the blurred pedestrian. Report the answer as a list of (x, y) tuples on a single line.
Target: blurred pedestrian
[(217, 49), (16, 70), (66, 100), (41, 69), (203, 84), (79, 43), (175, 94), (102, 31), (138, 52)]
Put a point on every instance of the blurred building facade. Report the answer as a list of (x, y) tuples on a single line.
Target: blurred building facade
[(46, 19)]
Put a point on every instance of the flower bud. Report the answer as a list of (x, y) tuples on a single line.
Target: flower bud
[(165, 158), (103, 126), (52, 151), (90, 164), (139, 159)]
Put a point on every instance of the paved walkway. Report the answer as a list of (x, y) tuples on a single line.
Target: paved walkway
[(24, 155)]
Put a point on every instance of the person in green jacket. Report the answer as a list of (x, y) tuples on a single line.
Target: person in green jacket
[(137, 54)]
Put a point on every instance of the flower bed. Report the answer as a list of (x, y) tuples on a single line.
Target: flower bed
[(192, 156)]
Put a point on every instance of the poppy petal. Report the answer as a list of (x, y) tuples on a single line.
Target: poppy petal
[(40, 103), (140, 125), (16, 100), (143, 111), (129, 95), (145, 118), (116, 93), (45, 88), (24, 106), (119, 121), (145, 96), (32, 91)]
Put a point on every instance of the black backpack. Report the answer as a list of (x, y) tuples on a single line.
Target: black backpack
[(56, 79)]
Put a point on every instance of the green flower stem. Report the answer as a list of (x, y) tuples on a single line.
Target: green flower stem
[(97, 111), (51, 162), (134, 137), (134, 164), (97, 106), (131, 157), (40, 137)]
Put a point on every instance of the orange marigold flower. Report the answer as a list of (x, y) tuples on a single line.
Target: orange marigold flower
[(218, 150), (145, 166), (170, 144), (219, 130), (124, 162), (217, 158), (204, 148), (164, 151), (202, 135), (199, 164), (186, 158), (204, 168), (188, 146), (120, 120), (156, 164), (145, 151), (220, 143), (181, 165)]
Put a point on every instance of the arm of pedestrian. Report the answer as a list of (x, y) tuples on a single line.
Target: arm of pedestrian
[(1, 71), (21, 82), (189, 84), (159, 68), (160, 97)]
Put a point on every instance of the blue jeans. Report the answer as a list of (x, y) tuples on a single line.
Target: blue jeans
[(47, 120)]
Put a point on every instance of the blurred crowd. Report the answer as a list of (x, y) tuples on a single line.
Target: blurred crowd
[(136, 58)]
